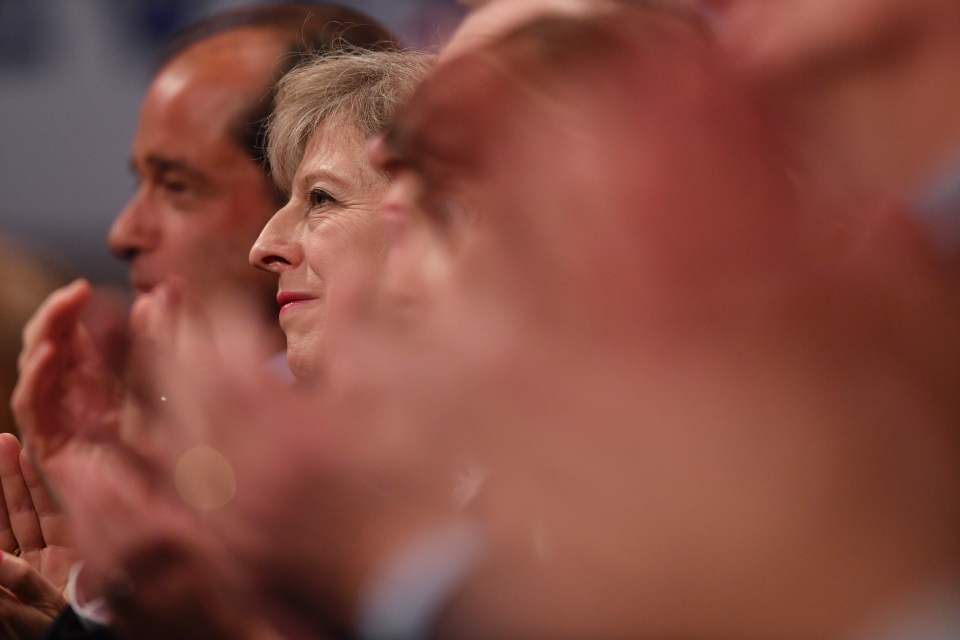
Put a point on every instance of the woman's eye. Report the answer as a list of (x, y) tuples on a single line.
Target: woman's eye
[(320, 198)]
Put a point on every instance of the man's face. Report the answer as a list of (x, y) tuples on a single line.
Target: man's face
[(200, 199)]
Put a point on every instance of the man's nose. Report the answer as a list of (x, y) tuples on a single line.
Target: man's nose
[(136, 230)]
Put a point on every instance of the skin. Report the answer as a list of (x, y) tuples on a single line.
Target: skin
[(869, 85), (200, 199), (520, 240), (490, 19), (797, 35), (326, 243), (199, 203), (32, 526)]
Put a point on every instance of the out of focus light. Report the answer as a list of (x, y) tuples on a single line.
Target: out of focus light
[(205, 479)]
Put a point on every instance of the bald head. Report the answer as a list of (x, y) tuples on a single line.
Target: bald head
[(219, 82)]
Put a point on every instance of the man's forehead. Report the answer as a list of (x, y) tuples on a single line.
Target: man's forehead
[(250, 54), (242, 62), (202, 92)]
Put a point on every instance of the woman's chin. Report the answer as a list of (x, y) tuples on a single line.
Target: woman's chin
[(304, 361)]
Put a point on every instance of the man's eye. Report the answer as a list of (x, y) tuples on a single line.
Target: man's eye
[(320, 198), (175, 186)]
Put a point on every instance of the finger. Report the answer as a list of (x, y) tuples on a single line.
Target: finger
[(153, 315), (8, 541), (101, 518), (53, 523), (19, 620), (56, 316), (31, 397), (21, 515), (25, 582), (153, 321)]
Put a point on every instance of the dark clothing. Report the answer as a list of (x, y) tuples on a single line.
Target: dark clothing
[(68, 627)]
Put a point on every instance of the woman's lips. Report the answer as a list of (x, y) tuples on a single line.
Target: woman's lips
[(291, 299)]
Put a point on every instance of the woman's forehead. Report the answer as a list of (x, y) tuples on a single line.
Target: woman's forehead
[(337, 148)]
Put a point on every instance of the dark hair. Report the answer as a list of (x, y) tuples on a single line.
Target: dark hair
[(306, 29)]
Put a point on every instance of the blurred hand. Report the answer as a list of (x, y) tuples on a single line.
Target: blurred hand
[(162, 573), (33, 527), (28, 603), (159, 567), (31, 521), (66, 387), (302, 502)]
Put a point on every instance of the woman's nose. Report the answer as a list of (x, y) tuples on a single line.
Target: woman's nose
[(276, 250)]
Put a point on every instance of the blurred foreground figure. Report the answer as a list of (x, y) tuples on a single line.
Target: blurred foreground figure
[(617, 382), (716, 401), (203, 194), (489, 20), (873, 86)]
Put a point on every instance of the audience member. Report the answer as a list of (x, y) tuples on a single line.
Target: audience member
[(326, 244), (870, 85)]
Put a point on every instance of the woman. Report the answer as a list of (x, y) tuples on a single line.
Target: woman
[(325, 245)]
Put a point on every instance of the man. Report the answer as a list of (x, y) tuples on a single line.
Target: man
[(203, 194)]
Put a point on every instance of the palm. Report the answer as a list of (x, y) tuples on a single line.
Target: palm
[(25, 621), (84, 397), (52, 562), (31, 586), (65, 388)]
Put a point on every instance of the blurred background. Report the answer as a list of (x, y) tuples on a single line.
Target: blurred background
[(72, 74)]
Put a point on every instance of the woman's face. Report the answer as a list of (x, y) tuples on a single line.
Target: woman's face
[(325, 245)]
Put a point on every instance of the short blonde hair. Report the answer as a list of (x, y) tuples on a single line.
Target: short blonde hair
[(365, 88)]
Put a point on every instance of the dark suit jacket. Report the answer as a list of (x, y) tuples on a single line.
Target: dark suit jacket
[(67, 626)]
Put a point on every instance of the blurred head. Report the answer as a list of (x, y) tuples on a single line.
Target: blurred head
[(326, 244), (598, 260), (490, 19), (203, 191), (462, 160), (843, 71), (824, 36)]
